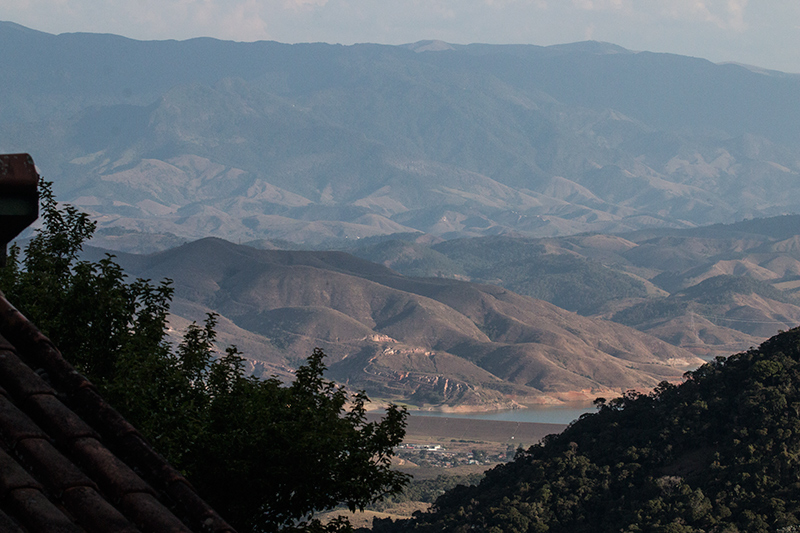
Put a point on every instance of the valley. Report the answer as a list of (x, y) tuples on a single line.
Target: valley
[(460, 226), (493, 322), (464, 230)]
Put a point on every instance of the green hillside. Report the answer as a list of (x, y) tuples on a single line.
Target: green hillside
[(410, 259), (718, 453), (701, 298), (524, 266), (719, 288)]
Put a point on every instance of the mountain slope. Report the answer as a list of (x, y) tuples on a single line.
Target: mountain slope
[(324, 143), (712, 290), (430, 341)]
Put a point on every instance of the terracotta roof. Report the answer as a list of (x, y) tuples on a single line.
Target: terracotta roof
[(68, 461)]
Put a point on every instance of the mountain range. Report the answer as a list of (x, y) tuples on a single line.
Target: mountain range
[(712, 290), (490, 322), (427, 341), (514, 224), (170, 141)]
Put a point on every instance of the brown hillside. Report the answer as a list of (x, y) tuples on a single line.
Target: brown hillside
[(430, 341)]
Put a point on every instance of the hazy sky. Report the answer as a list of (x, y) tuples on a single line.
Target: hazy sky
[(764, 33)]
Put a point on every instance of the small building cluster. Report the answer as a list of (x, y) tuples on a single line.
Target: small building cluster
[(439, 456)]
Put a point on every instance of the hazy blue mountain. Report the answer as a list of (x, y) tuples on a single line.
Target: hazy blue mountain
[(319, 143)]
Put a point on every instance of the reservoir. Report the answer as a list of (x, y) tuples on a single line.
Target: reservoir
[(559, 414)]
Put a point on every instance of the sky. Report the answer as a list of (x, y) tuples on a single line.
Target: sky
[(763, 33)]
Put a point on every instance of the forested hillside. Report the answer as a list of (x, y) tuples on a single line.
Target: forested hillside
[(718, 453)]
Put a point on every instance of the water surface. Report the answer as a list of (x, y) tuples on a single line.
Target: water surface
[(560, 414)]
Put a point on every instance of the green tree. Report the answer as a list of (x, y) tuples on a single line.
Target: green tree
[(266, 455), (719, 452)]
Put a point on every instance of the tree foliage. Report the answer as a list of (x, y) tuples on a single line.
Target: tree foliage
[(266, 455), (717, 453)]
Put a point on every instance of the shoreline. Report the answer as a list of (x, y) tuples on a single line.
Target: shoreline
[(425, 428)]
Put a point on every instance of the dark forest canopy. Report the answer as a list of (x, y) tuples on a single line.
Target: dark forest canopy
[(717, 453)]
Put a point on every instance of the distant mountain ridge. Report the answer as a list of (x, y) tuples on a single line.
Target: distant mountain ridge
[(318, 143), (432, 342), (712, 290)]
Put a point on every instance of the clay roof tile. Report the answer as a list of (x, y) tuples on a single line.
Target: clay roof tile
[(55, 418), (69, 462), (13, 476), (37, 514), (94, 513)]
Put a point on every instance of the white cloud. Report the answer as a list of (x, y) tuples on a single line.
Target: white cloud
[(736, 10), (541, 4), (245, 22), (725, 14), (304, 4), (598, 5)]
